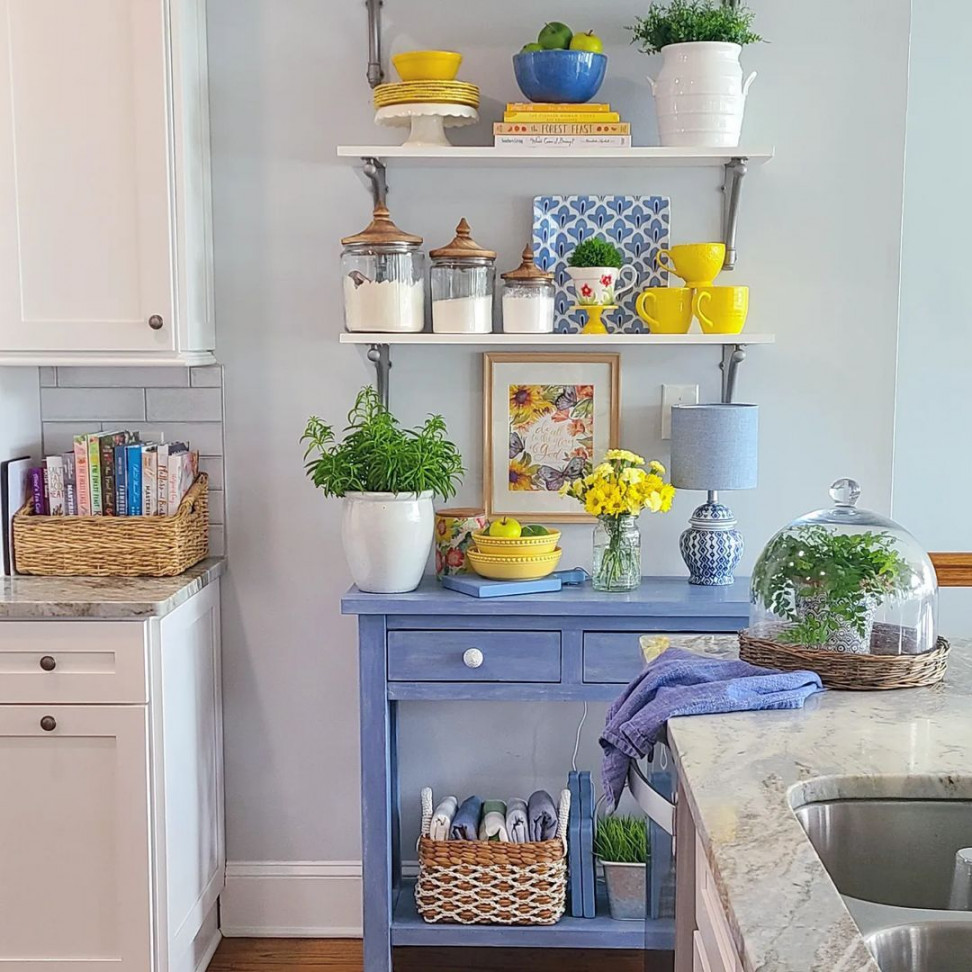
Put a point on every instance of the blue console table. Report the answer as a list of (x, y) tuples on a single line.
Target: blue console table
[(435, 645)]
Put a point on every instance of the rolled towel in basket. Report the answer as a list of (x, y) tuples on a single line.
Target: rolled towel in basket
[(493, 826), (442, 818), (516, 821), (465, 824), (542, 816)]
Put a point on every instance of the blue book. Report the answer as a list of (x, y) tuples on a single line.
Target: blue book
[(574, 869), (476, 586), (121, 480), (133, 455)]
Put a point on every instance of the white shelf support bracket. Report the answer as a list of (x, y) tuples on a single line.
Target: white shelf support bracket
[(736, 170), (376, 72), (733, 355), (374, 170), (380, 356)]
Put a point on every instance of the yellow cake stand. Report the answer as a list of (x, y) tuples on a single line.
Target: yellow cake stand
[(594, 323)]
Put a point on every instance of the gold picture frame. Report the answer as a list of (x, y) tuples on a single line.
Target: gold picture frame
[(556, 417)]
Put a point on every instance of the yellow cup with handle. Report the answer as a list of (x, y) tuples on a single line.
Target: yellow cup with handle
[(721, 310), (666, 310), (698, 264)]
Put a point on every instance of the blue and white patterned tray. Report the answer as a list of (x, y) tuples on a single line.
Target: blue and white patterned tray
[(639, 226)]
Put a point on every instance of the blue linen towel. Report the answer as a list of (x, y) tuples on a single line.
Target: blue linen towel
[(542, 816), (678, 683), (465, 824)]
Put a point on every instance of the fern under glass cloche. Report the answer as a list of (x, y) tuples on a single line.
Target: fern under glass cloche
[(848, 580)]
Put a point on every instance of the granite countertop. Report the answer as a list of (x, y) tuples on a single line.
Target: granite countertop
[(744, 772), (105, 598)]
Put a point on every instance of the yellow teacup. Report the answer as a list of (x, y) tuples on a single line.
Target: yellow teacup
[(698, 264), (666, 310), (721, 310)]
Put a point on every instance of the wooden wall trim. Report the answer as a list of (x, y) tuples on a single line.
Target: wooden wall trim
[(953, 569)]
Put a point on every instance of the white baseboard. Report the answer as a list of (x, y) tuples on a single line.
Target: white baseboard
[(291, 899)]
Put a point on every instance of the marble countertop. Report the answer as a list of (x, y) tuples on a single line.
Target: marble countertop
[(744, 772), (106, 598)]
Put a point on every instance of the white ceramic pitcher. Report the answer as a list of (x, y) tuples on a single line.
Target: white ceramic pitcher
[(700, 95)]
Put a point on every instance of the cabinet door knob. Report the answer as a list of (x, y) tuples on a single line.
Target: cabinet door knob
[(156, 323), (472, 658), (48, 663), (48, 723)]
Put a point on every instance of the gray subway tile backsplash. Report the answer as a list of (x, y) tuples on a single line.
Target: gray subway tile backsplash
[(179, 404)]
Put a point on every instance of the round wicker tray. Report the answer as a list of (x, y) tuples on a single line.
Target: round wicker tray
[(857, 673)]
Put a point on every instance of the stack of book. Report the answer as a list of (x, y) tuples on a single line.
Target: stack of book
[(114, 474), (538, 125)]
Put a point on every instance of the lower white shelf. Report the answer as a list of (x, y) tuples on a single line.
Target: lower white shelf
[(551, 340)]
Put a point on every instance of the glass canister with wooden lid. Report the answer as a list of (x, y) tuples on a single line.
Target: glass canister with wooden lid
[(528, 298), (463, 278), (383, 272)]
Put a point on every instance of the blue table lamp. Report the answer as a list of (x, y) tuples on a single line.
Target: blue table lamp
[(713, 447)]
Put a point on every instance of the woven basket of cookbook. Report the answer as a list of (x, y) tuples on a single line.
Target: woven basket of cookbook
[(480, 882), (860, 673), (114, 546)]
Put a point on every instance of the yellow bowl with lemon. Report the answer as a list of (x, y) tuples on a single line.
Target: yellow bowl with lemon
[(517, 546), (427, 65), (531, 567)]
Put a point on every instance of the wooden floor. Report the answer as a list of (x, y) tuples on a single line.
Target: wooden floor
[(344, 955)]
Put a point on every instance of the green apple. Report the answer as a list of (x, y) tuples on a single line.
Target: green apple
[(527, 48), (555, 36), (587, 42), (507, 528), (534, 530)]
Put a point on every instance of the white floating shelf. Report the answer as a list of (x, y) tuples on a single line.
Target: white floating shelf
[(513, 155), (552, 340)]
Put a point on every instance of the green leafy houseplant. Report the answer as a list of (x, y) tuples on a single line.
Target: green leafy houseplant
[(685, 21), (821, 581), (595, 252), (377, 455), (622, 840)]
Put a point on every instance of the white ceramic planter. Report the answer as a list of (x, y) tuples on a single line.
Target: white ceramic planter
[(700, 95), (601, 285), (387, 538)]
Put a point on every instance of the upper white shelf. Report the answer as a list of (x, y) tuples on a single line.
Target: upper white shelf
[(514, 155), (589, 340)]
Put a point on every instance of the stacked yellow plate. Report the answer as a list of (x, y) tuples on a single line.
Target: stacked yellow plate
[(427, 92), (514, 558)]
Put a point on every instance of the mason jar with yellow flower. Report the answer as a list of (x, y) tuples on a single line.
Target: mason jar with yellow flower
[(616, 492)]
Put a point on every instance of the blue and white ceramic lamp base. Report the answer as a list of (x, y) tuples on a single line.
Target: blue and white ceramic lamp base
[(712, 546)]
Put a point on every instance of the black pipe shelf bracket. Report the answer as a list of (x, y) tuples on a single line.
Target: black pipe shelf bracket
[(733, 355), (736, 170), (376, 72)]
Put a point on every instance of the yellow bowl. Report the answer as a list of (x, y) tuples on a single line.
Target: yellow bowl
[(427, 65), (516, 546), (513, 568)]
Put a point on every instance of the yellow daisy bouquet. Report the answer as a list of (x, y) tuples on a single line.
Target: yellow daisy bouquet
[(616, 492)]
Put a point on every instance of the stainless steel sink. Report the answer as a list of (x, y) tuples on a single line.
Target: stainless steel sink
[(892, 852), (927, 946)]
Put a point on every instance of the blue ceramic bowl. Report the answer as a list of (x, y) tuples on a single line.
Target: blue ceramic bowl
[(559, 76)]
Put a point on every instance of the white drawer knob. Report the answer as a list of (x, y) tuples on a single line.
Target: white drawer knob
[(472, 658)]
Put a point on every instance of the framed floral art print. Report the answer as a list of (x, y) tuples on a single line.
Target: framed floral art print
[(549, 418)]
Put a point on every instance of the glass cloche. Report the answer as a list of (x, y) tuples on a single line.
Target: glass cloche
[(845, 579)]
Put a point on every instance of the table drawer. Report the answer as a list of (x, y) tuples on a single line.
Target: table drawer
[(474, 656), (86, 662), (612, 656)]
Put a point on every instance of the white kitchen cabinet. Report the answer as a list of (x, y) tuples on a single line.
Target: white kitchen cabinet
[(111, 808), (105, 208)]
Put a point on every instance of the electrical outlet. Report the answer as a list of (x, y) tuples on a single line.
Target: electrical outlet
[(676, 395)]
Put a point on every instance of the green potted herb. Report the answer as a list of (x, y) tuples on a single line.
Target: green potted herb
[(621, 845), (700, 95), (387, 476), (825, 585), (595, 267)]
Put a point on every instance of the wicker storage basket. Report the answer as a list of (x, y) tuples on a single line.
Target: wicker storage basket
[(863, 673), (114, 546), (478, 882)]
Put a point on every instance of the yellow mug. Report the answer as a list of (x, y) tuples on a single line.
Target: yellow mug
[(721, 310), (666, 310), (698, 264)]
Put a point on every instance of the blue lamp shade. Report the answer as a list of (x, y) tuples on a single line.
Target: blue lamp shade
[(714, 446)]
